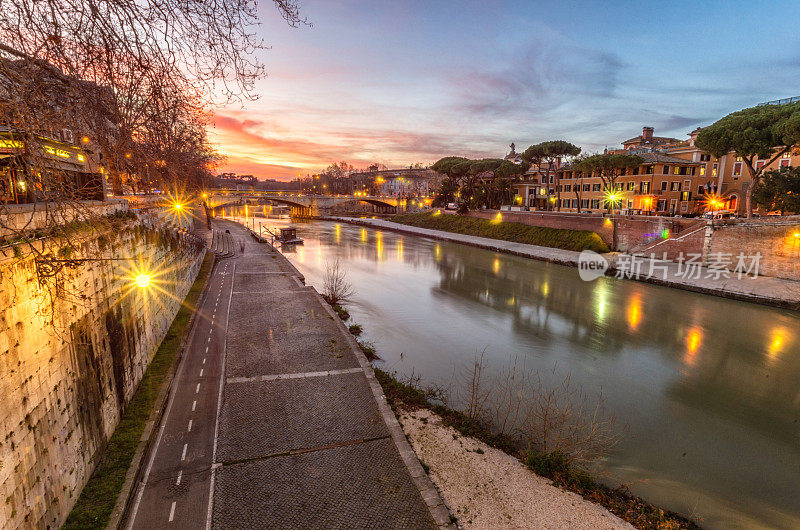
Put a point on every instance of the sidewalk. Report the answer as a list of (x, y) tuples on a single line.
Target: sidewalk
[(762, 289), (305, 436)]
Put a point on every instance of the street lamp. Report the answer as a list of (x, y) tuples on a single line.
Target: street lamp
[(143, 280)]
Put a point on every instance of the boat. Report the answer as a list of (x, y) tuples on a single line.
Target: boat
[(289, 237)]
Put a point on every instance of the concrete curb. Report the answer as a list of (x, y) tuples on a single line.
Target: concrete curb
[(436, 505), (133, 478)]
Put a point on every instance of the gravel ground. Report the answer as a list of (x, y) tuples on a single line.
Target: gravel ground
[(486, 488)]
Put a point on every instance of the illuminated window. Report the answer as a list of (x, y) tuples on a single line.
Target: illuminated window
[(686, 195), (676, 186), (714, 170), (644, 187), (737, 168), (702, 170), (677, 170), (785, 162)]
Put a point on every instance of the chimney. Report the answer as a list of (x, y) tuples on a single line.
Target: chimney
[(647, 134)]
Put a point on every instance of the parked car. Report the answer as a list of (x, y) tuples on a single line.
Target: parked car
[(451, 206)]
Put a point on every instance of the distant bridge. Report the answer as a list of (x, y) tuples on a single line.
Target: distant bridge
[(303, 205)]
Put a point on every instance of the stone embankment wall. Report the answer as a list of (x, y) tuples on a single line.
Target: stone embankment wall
[(631, 230), (72, 352), (38, 215), (776, 239)]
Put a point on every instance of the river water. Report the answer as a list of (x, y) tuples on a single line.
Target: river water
[(709, 387)]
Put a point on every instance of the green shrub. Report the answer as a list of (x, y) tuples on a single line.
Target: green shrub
[(576, 240)]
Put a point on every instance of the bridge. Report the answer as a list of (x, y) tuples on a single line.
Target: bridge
[(303, 205)]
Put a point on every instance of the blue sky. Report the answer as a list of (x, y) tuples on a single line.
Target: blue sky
[(406, 82)]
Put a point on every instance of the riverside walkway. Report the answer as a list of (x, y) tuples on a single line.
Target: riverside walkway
[(275, 418)]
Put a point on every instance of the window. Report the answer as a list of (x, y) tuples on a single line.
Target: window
[(567, 187), (620, 186), (662, 205), (700, 190), (631, 186), (574, 203), (644, 187), (595, 187), (595, 204), (666, 170), (737, 168), (636, 170), (677, 170), (686, 195), (714, 170), (531, 191), (738, 159), (673, 204), (649, 170), (565, 203), (687, 184), (785, 162), (664, 185), (676, 186), (584, 203), (704, 157), (702, 170), (587, 187), (630, 204), (760, 164)]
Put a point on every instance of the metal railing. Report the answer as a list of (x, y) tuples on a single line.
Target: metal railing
[(784, 101)]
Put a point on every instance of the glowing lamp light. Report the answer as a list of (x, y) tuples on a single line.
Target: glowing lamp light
[(85, 139), (797, 234), (178, 206), (143, 280)]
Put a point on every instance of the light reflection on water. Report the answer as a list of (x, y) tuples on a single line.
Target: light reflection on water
[(708, 386)]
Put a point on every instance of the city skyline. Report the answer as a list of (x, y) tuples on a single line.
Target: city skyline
[(469, 80)]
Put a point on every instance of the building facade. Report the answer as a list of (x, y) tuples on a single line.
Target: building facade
[(675, 178)]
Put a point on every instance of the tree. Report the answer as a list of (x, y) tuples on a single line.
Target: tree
[(779, 190), (476, 183), (764, 132), (131, 82), (609, 167), (547, 154)]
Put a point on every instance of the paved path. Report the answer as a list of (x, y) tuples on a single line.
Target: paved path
[(762, 289), (276, 419)]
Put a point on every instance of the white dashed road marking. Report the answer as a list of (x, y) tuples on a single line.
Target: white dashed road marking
[(180, 475), (194, 404), (183, 454), (189, 428), (172, 512), (197, 390)]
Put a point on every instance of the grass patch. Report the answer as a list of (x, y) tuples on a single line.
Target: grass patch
[(343, 313), (555, 466), (355, 329), (577, 240), (96, 502)]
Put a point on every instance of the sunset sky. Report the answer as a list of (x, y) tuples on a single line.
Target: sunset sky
[(405, 82)]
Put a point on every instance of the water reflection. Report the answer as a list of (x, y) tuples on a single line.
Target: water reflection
[(709, 386)]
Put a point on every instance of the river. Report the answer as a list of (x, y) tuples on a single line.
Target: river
[(709, 387)]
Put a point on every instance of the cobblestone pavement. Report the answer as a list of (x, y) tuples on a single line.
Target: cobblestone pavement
[(302, 439), (764, 290)]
